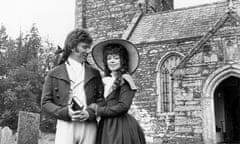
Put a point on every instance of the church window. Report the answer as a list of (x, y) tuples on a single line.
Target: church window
[(164, 81)]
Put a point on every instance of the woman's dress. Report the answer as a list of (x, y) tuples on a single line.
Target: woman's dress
[(116, 125)]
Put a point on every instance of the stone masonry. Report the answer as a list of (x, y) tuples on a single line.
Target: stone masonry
[(206, 36), (105, 18)]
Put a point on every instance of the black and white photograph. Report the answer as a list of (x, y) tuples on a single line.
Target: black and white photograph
[(119, 71)]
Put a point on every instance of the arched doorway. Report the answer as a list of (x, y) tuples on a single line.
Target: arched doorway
[(227, 107), (210, 88)]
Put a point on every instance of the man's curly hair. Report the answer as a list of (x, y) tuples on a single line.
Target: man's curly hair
[(72, 40)]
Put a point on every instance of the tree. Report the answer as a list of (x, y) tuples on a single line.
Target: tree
[(29, 46), (27, 61), (46, 56), (3, 48), (3, 39)]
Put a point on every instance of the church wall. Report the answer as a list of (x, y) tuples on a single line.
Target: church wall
[(105, 18), (108, 19), (185, 123)]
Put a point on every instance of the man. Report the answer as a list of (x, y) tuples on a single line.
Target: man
[(72, 78)]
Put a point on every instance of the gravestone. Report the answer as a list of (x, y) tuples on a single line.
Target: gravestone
[(7, 136), (28, 128), (0, 134)]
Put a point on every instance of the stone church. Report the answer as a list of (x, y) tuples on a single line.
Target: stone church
[(189, 72)]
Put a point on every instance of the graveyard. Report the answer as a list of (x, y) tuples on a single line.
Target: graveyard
[(28, 131)]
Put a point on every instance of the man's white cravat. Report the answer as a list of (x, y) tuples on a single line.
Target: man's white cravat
[(76, 72)]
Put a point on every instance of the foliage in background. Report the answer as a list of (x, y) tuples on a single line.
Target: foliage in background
[(24, 63)]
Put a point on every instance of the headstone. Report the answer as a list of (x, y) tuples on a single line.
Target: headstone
[(28, 128), (0, 134), (7, 136)]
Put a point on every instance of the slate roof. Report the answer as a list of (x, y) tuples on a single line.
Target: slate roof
[(178, 24)]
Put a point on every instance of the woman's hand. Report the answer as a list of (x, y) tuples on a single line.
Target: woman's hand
[(93, 106), (79, 115)]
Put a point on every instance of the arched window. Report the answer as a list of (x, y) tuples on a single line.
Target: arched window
[(164, 81)]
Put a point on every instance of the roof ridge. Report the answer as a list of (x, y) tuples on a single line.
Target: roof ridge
[(206, 37), (179, 24), (187, 8)]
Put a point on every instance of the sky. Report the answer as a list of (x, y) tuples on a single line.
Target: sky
[(53, 18)]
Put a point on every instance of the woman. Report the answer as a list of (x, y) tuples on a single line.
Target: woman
[(118, 59)]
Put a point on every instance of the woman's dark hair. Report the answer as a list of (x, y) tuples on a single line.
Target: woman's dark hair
[(118, 50), (72, 40)]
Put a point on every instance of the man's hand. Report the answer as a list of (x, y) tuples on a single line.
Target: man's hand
[(84, 115), (78, 115)]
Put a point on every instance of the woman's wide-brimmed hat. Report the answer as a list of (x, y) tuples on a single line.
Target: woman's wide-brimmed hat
[(97, 53)]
